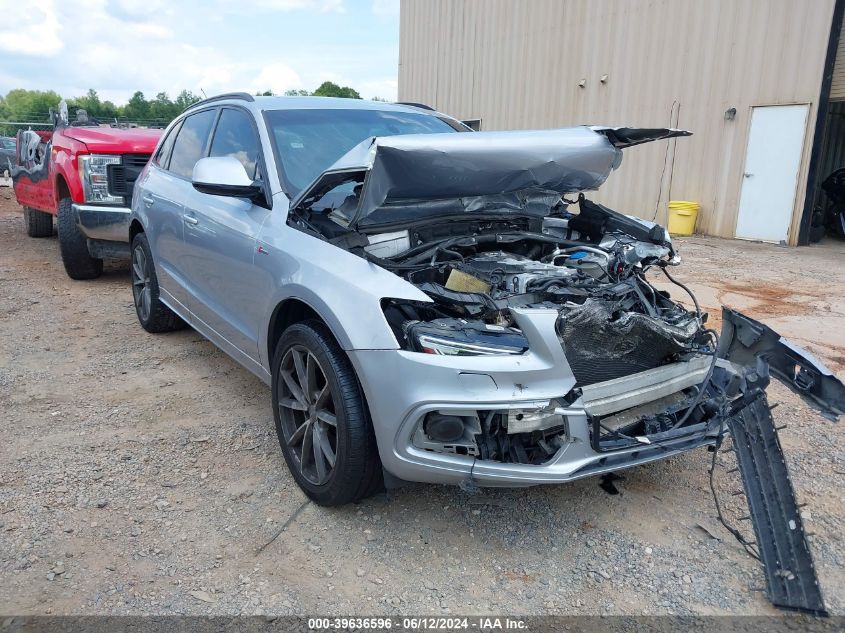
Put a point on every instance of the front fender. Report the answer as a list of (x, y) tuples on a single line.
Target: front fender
[(66, 165), (344, 289)]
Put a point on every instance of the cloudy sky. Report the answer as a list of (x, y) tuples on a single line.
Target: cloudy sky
[(119, 46)]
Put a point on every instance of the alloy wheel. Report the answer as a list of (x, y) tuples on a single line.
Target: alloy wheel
[(308, 414), (141, 290)]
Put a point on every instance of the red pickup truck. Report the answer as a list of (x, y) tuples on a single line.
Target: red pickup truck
[(84, 175)]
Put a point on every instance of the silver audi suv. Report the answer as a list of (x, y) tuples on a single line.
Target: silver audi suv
[(434, 304)]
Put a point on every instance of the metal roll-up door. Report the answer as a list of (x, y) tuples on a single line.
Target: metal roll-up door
[(837, 86)]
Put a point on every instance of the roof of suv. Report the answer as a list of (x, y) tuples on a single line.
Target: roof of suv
[(260, 104)]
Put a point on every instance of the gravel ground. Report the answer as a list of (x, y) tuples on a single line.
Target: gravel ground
[(140, 474)]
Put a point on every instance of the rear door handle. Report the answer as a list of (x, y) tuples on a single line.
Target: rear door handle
[(149, 201), (190, 219)]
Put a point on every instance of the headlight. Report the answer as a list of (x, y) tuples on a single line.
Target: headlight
[(456, 337), (93, 172)]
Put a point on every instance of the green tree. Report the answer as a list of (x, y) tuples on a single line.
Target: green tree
[(266, 93), (33, 106), (185, 99), (110, 111), (101, 110), (331, 89), (138, 108), (297, 93), (90, 103), (161, 109), (29, 105)]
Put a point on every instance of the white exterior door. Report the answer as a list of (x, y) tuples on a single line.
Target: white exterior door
[(773, 158)]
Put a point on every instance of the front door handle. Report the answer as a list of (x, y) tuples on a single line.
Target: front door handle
[(190, 219), (149, 200)]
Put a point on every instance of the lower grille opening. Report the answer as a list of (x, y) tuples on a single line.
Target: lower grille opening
[(650, 423), (512, 436)]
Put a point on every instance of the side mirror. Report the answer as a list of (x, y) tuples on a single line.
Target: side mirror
[(226, 176)]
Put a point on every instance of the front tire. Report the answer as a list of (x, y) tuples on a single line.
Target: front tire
[(322, 419), (153, 315), (38, 223), (74, 245)]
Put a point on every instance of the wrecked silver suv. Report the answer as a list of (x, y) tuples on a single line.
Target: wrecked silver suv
[(430, 305)]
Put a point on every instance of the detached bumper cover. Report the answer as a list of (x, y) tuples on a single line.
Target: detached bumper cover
[(103, 222), (746, 342), (784, 551)]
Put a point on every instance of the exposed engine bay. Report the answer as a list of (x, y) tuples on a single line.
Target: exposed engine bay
[(589, 265), (612, 321)]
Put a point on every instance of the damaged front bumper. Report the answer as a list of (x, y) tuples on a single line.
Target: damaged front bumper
[(403, 388)]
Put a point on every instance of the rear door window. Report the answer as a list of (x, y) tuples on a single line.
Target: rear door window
[(235, 136), (191, 143)]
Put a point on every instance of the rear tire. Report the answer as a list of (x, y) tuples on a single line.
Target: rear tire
[(153, 315), (325, 419), (38, 223), (74, 245)]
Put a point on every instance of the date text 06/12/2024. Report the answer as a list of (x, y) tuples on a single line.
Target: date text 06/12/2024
[(417, 624)]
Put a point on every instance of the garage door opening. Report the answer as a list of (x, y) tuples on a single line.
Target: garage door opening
[(828, 220), (823, 218)]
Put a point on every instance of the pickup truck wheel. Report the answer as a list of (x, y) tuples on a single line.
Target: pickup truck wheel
[(74, 246), (38, 223), (153, 315), (322, 419)]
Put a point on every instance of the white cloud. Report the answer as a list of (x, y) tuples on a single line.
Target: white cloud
[(333, 6), (156, 31), (323, 6), (382, 88), (114, 34), (116, 47), (276, 77), (138, 9), (386, 7), (31, 28)]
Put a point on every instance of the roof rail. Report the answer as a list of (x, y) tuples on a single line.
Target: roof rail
[(243, 96), (415, 105)]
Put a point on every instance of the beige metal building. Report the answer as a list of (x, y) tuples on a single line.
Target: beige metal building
[(757, 82)]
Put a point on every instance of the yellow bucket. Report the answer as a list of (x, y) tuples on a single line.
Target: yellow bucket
[(682, 216)]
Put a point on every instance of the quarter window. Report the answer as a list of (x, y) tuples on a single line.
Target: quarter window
[(163, 152), (191, 143), (235, 137)]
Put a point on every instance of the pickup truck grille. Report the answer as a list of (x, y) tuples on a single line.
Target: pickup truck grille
[(121, 178)]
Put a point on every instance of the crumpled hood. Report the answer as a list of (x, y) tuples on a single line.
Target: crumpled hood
[(115, 140), (513, 171)]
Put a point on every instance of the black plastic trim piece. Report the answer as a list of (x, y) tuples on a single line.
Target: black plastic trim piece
[(415, 105), (787, 562), (745, 340)]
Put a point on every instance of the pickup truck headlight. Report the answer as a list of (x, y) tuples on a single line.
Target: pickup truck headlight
[(454, 337), (93, 172)]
